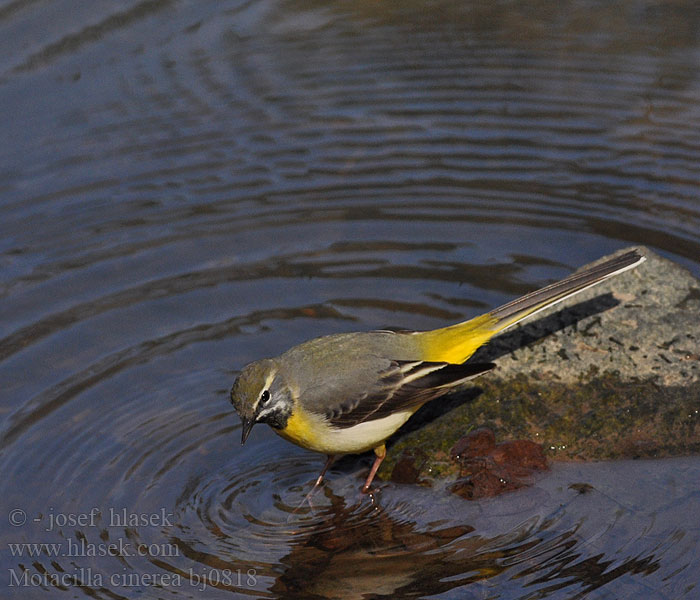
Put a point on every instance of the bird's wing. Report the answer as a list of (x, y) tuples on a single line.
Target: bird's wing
[(401, 385)]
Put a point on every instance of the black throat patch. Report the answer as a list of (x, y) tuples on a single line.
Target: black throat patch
[(277, 418)]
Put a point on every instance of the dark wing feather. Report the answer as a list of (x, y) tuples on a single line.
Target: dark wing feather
[(402, 385)]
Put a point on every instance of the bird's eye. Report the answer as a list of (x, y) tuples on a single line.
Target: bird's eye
[(264, 397)]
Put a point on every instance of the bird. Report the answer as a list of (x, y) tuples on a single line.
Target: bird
[(347, 393)]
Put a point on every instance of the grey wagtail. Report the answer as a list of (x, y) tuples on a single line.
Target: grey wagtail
[(347, 393)]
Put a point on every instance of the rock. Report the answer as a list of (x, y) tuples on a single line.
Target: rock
[(408, 468), (479, 442), (487, 469), (613, 372), (641, 325)]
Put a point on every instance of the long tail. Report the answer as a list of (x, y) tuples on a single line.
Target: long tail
[(457, 343)]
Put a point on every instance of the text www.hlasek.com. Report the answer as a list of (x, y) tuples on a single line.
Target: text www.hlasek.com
[(81, 547)]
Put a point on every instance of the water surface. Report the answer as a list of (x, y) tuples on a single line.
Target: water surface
[(186, 187)]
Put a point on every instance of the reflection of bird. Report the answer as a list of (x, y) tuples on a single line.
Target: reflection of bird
[(347, 393)]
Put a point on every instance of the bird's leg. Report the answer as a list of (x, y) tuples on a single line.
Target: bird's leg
[(329, 462), (307, 498), (380, 451)]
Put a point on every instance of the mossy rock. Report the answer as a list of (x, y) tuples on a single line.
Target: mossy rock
[(600, 419), (612, 373)]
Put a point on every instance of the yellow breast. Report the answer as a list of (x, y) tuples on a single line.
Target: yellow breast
[(314, 433)]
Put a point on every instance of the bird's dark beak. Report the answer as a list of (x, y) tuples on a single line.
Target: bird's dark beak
[(245, 430)]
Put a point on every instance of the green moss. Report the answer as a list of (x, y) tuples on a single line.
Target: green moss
[(601, 418)]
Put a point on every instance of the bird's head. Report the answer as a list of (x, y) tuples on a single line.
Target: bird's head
[(260, 395)]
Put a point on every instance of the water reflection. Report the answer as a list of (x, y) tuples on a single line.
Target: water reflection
[(409, 542)]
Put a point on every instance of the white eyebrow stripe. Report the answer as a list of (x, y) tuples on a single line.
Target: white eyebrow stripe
[(270, 378), (266, 386)]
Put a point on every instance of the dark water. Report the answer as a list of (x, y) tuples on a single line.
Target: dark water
[(188, 186)]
